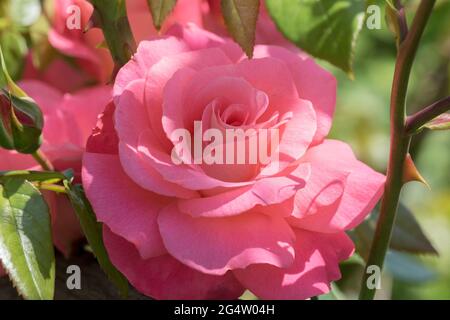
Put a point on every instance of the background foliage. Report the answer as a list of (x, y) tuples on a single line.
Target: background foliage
[(362, 120)]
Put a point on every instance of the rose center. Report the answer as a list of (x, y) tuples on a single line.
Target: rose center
[(235, 115)]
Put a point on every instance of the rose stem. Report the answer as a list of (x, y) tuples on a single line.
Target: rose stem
[(399, 144), (417, 120), (111, 16), (43, 161)]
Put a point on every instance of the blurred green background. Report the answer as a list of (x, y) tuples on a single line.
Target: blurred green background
[(362, 120)]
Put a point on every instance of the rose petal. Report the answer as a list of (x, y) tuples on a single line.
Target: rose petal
[(11, 160), (316, 265), (123, 206), (362, 188), (216, 245), (164, 277), (198, 38), (141, 21), (313, 83), (66, 229), (58, 74), (186, 176), (132, 119), (72, 48), (265, 192), (162, 71), (84, 106), (148, 53)]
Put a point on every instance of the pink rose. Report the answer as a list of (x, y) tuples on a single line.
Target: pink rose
[(70, 38), (209, 231), (58, 74), (69, 119), (84, 46)]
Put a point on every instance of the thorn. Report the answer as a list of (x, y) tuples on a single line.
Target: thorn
[(410, 172)]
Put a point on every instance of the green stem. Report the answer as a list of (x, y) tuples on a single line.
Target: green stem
[(43, 161), (399, 144), (52, 187), (111, 16), (417, 120)]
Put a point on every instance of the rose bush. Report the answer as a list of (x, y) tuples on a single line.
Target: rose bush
[(199, 231), (69, 119)]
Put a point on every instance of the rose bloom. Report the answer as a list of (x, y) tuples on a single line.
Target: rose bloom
[(69, 119), (212, 231)]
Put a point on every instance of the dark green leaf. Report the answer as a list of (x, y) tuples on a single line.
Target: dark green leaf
[(26, 247), (326, 29), (407, 235), (407, 268), (93, 232), (160, 9), (240, 18)]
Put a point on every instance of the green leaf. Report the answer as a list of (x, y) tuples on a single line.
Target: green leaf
[(240, 18), (15, 49), (326, 29), (407, 235), (160, 9), (441, 122), (407, 268), (33, 176), (12, 86), (93, 231), (26, 247), (25, 12)]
